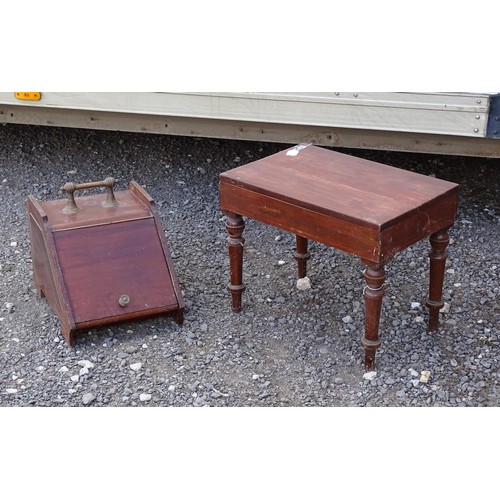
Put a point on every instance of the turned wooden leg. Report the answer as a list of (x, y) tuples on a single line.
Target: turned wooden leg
[(235, 241), (373, 292), (439, 241), (301, 256)]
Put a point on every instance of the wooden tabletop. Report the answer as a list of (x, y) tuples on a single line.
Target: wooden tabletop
[(346, 187)]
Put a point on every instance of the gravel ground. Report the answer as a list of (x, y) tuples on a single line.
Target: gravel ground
[(287, 347)]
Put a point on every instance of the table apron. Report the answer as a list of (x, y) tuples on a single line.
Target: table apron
[(370, 243), (337, 233)]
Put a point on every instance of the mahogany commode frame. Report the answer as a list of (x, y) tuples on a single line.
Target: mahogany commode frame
[(355, 205)]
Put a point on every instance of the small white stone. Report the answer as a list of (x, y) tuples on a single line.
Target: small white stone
[(84, 371), (281, 262), (11, 391), (255, 376), (86, 364), (171, 388), (136, 366), (144, 346), (75, 378), (10, 307), (415, 305), (419, 319), (303, 283), (145, 397), (64, 369), (413, 372), (278, 238), (13, 243), (14, 339), (424, 376), (446, 308), (415, 382), (347, 319), (369, 375), (88, 398)]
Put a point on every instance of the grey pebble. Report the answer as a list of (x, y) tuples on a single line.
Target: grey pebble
[(88, 398)]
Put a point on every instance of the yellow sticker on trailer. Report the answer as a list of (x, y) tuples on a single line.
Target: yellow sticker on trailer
[(28, 96)]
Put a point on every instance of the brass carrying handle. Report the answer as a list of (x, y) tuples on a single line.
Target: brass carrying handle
[(70, 187)]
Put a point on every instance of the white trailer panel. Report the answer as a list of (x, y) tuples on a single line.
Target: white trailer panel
[(427, 122)]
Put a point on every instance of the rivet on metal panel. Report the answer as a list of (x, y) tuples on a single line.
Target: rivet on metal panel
[(355, 95), (479, 101), (476, 130), (477, 117)]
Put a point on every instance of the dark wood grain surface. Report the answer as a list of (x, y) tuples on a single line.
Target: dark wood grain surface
[(345, 186)]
